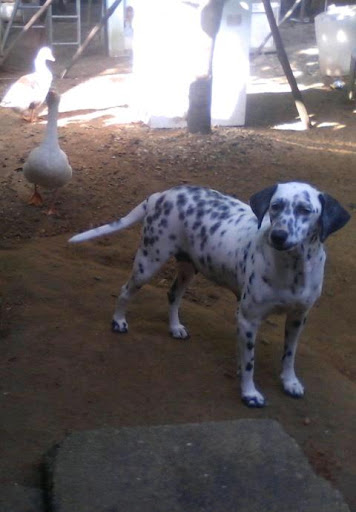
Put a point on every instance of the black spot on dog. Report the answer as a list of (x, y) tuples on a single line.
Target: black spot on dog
[(238, 219), (159, 201), (266, 280), (297, 323), (250, 345), (181, 200), (249, 367), (172, 237), (214, 227), (167, 206)]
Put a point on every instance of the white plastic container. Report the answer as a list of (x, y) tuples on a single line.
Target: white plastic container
[(163, 61), (260, 27), (231, 65), (115, 25), (169, 53), (335, 32)]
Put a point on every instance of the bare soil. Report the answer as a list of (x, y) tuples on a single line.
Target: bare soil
[(61, 367)]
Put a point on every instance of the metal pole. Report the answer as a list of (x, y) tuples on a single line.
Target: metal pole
[(90, 36), (25, 28)]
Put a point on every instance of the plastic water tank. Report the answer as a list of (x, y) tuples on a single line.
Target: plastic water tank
[(335, 32), (231, 65)]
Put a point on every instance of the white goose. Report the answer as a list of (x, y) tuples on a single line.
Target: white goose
[(47, 165), (28, 93)]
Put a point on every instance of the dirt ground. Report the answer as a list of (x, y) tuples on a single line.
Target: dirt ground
[(61, 367)]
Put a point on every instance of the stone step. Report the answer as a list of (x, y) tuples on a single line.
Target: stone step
[(17, 498), (243, 465)]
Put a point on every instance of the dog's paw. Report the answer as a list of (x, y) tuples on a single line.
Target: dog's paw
[(255, 400), (293, 388), (121, 327), (179, 332)]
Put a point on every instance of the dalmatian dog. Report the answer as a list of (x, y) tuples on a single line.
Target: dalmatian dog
[(269, 254)]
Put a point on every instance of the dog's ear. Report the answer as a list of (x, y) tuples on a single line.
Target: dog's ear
[(260, 201), (333, 216)]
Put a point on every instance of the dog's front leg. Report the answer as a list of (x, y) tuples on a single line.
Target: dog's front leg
[(247, 330), (294, 325)]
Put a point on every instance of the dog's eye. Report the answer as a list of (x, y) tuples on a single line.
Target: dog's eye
[(277, 207), (303, 210)]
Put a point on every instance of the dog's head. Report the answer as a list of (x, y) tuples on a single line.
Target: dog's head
[(297, 211)]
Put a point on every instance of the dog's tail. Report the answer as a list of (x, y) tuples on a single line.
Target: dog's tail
[(136, 215)]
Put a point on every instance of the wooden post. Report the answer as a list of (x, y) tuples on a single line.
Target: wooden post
[(90, 36), (283, 58), (25, 28)]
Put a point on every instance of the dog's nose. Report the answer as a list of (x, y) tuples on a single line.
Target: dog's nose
[(279, 237)]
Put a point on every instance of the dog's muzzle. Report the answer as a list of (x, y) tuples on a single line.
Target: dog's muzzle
[(278, 239)]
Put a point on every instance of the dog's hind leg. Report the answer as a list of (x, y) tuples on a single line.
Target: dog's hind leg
[(186, 272), (143, 270)]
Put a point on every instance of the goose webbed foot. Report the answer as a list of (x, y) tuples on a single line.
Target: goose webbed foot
[(52, 209), (36, 198)]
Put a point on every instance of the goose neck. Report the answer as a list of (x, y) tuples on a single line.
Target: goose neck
[(41, 66), (52, 130)]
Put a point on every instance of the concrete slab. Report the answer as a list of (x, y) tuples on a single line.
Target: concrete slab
[(245, 465), (16, 498)]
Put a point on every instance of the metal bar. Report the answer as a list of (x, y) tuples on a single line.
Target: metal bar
[(25, 28), (91, 35)]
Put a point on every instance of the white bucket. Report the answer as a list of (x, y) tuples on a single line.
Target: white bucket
[(335, 32)]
